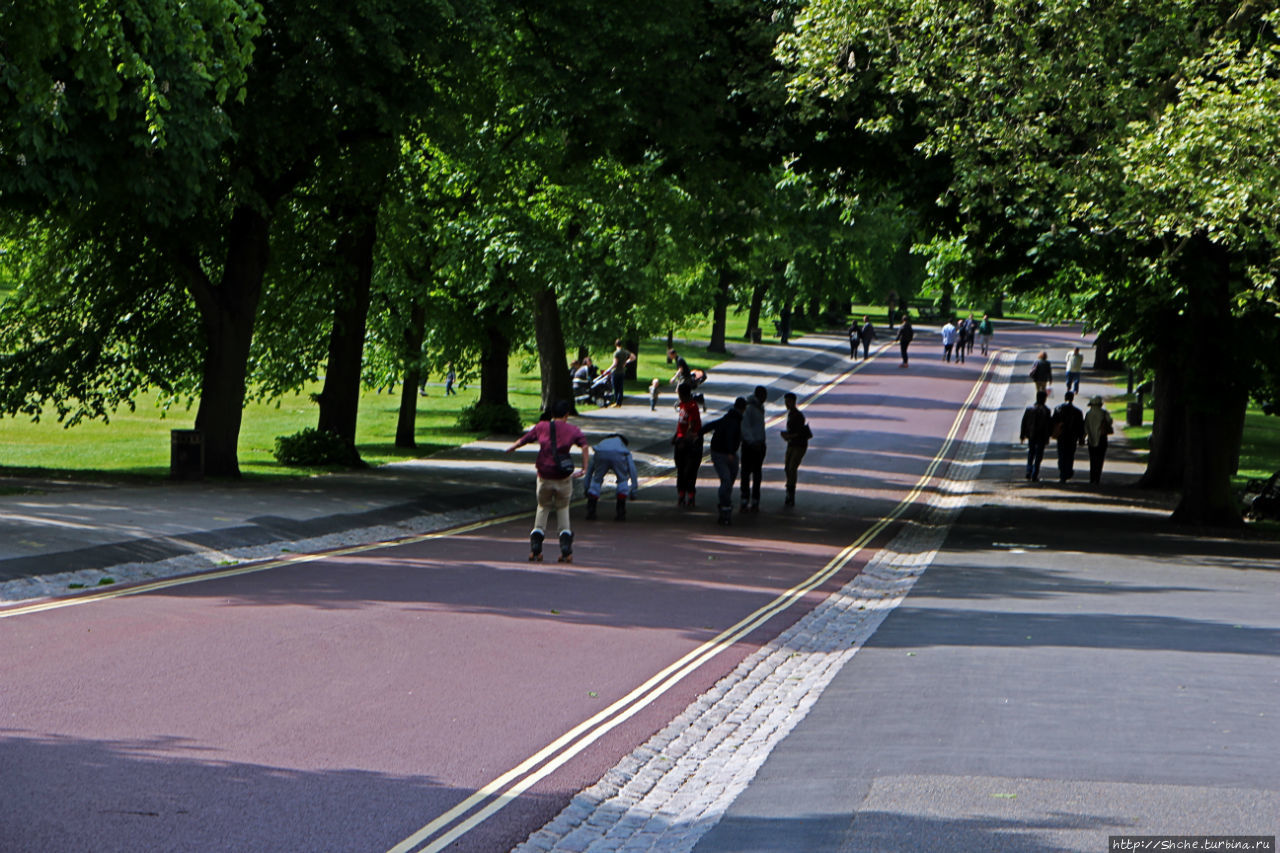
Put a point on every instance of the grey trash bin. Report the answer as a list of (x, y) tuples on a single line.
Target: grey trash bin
[(186, 454), (1134, 415)]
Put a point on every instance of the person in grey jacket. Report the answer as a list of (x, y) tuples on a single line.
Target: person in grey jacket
[(753, 449), (612, 455)]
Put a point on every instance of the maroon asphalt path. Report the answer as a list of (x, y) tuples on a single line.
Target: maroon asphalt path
[(344, 703)]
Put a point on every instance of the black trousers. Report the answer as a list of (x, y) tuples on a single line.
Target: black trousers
[(1097, 454), (752, 463), (688, 460)]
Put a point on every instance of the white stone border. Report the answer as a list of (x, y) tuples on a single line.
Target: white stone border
[(670, 791)]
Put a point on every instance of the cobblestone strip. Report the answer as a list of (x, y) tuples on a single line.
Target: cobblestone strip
[(671, 790)]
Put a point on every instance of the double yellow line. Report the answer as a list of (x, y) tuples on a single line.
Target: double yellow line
[(505, 789)]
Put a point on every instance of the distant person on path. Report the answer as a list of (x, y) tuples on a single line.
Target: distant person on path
[(726, 439), (797, 435), (653, 394), (985, 331), (948, 340), (449, 379), (866, 335), (1075, 364), (753, 448), (1067, 426), (1042, 373), (621, 358), (971, 332), (1097, 426), (687, 444), (1035, 431), (904, 338), (855, 336), (555, 484), (612, 455), (963, 336)]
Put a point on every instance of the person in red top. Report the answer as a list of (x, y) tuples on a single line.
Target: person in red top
[(555, 485), (688, 445)]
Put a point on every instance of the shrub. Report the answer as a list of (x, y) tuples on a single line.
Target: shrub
[(489, 418), (315, 447)]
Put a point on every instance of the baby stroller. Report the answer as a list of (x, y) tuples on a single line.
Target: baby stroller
[(598, 391)]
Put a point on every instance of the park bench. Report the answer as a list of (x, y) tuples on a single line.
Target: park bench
[(1262, 498)]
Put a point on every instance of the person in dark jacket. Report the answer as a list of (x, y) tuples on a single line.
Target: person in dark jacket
[(1035, 431), (866, 335), (725, 441), (1042, 373), (753, 448), (796, 435), (1067, 426), (905, 336)]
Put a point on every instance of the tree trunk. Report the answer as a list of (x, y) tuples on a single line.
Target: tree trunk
[(414, 333), (228, 313), (784, 323), (834, 315), (753, 313), (494, 356), (1207, 499), (1102, 358), (1213, 389), (948, 297), (1167, 454), (720, 315), (340, 397), (556, 382), (997, 307), (815, 311)]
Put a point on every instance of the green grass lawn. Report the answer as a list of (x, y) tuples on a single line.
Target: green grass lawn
[(136, 444)]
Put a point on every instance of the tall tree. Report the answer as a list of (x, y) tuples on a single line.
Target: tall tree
[(1080, 133)]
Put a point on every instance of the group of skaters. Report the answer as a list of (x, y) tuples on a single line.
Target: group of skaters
[(737, 442), (1065, 424)]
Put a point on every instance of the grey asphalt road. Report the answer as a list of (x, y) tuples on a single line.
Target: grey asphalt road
[(1071, 667)]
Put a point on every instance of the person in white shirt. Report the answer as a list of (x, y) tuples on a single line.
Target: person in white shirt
[(1075, 363), (948, 340)]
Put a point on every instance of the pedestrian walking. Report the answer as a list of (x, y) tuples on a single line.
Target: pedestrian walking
[(797, 435), (1067, 428), (855, 337), (449, 378), (866, 335), (1097, 426), (653, 394), (948, 340), (556, 473), (621, 358), (1042, 373), (1075, 364), (905, 335), (963, 336), (753, 449), (726, 440), (612, 455), (985, 330), (687, 445), (1035, 431), (971, 332)]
